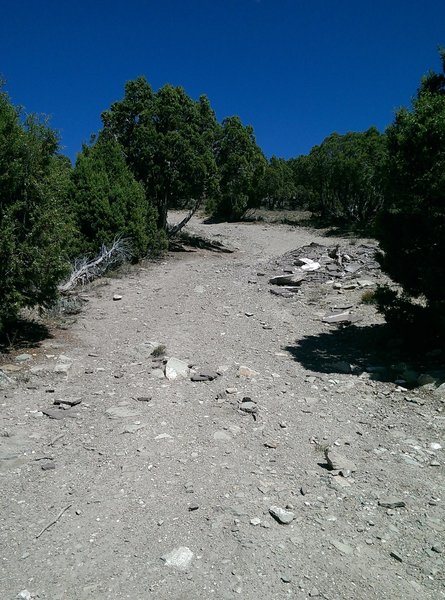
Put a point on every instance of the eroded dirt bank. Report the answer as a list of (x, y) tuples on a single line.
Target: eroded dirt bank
[(149, 468)]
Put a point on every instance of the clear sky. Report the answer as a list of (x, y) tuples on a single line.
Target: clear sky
[(296, 70)]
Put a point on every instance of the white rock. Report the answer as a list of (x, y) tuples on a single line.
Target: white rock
[(282, 515), (117, 297), (180, 558), (246, 372), (435, 446), (176, 368)]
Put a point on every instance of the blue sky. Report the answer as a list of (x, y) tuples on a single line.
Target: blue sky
[(296, 70)]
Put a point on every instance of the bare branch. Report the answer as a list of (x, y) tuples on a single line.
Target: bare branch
[(85, 269)]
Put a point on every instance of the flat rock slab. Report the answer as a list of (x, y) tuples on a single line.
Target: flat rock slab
[(179, 558), (340, 318), (204, 376), (343, 548), (291, 280), (176, 369), (122, 411), (57, 413), (392, 503), (282, 515)]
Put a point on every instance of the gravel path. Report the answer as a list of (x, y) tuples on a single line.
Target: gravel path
[(156, 488)]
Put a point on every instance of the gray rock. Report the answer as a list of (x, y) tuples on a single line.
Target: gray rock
[(117, 297), (121, 411), (338, 462), (248, 406), (391, 502), (340, 318), (343, 548), (23, 357), (62, 368), (179, 558), (176, 369), (363, 283), (288, 280), (282, 515), (158, 373), (146, 349), (58, 413), (204, 376), (4, 379)]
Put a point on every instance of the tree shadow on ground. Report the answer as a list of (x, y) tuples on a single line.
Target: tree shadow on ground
[(344, 230), (371, 348), (23, 334)]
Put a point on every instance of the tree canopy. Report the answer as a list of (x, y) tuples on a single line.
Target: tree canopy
[(167, 139)]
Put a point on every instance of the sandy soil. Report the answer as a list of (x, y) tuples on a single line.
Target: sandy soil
[(181, 466)]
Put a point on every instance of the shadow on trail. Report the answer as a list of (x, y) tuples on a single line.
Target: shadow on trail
[(361, 347), (23, 334)]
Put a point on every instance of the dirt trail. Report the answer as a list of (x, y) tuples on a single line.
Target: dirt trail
[(188, 469)]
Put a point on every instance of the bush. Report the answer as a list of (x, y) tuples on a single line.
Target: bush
[(108, 201), (33, 228), (412, 228)]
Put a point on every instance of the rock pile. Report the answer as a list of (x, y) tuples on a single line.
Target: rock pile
[(316, 263)]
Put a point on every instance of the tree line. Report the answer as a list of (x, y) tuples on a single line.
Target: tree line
[(161, 149)]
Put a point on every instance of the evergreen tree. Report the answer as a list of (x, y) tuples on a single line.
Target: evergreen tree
[(33, 228), (108, 201), (412, 228)]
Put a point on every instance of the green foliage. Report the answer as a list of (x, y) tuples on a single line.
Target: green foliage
[(108, 201), (33, 229), (277, 186), (343, 179), (241, 165), (412, 228), (168, 143)]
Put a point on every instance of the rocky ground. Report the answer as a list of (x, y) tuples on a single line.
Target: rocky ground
[(290, 461)]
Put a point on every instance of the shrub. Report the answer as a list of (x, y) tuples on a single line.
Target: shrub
[(108, 201), (412, 228), (33, 228)]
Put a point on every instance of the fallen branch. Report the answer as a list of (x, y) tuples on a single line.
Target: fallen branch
[(85, 270), (55, 520), (172, 230), (195, 241)]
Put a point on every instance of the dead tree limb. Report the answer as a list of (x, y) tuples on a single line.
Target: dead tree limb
[(86, 269), (173, 230)]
